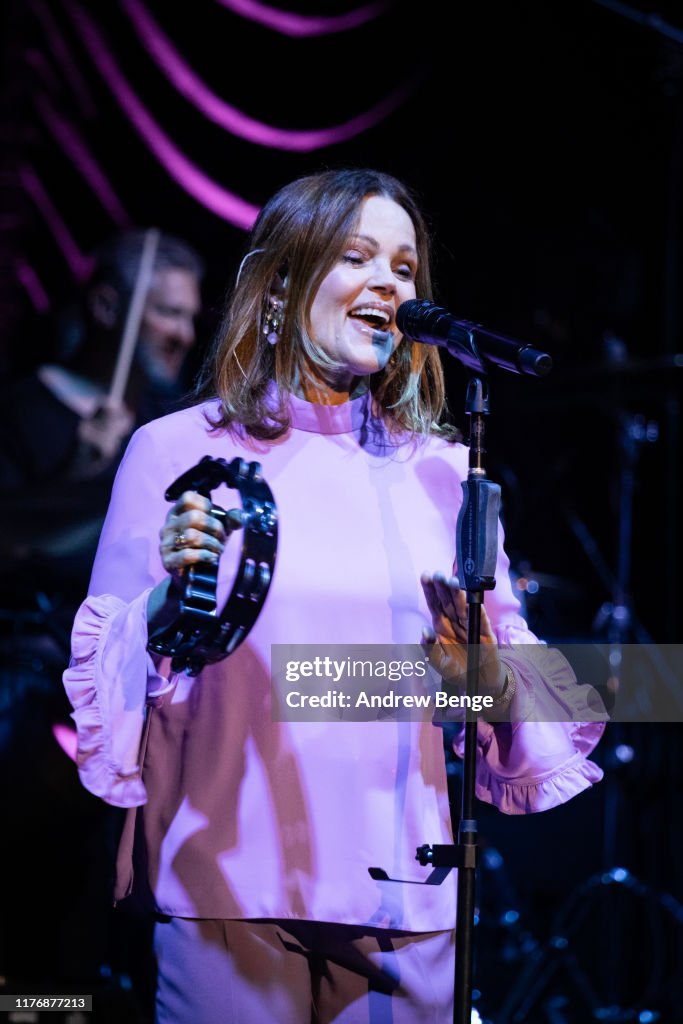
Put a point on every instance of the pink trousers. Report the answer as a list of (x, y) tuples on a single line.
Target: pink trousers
[(300, 972)]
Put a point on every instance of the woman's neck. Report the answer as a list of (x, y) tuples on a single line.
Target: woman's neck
[(321, 392)]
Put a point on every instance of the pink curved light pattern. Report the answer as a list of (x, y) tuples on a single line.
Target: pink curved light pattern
[(235, 121), (75, 147), (32, 285), (79, 264), (204, 189), (298, 25)]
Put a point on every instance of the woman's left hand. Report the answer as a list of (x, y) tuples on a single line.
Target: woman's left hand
[(446, 643)]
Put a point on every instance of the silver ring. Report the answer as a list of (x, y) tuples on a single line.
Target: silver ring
[(180, 541)]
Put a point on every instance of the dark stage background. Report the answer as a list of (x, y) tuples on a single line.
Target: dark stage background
[(546, 142)]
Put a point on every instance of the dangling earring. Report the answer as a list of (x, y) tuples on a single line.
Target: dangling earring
[(272, 320)]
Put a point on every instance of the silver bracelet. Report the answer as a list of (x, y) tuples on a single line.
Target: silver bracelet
[(508, 691)]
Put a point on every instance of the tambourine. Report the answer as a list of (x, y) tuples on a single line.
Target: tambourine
[(198, 635)]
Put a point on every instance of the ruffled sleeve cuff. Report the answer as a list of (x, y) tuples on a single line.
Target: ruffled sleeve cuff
[(109, 681), (528, 794), (539, 758)]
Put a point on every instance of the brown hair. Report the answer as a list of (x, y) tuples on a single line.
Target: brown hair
[(300, 234)]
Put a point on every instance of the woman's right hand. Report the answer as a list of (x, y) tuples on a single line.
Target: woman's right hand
[(191, 534)]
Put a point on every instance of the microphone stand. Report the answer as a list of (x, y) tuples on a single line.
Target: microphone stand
[(476, 555), (476, 545)]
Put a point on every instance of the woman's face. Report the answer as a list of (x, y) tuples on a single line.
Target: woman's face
[(353, 316)]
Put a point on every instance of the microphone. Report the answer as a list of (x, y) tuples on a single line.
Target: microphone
[(474, 345)]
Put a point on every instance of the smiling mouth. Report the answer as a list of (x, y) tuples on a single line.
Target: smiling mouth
[(376, 319)]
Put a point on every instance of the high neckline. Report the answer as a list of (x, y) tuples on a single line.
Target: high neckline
[(348, 418)]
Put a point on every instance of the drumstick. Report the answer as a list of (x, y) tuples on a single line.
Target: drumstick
[(133, 318)]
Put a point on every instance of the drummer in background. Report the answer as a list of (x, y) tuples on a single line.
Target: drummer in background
[(58, 420), (61, 435)]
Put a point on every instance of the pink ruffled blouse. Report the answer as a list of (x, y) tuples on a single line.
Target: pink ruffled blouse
[(247, 817)]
